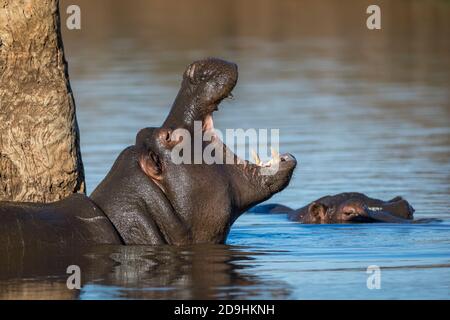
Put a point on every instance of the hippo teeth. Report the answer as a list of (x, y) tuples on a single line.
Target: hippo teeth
[(275, 155), (256, 158), (275, 158)]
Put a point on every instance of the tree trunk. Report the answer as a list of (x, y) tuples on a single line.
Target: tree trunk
[(40, 157)]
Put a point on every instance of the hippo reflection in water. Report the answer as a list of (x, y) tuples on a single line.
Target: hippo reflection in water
[(348, 207), (147, 199)]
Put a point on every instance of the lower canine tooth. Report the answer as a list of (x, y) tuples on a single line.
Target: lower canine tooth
[(256, 157), (275, 155)]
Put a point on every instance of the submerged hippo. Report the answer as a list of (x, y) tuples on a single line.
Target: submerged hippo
[(146, 198), (348, 207)]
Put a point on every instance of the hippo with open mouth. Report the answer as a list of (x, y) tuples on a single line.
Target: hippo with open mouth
[(350, 207), (146, 198)]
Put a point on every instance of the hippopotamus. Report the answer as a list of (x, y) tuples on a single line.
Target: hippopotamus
[(350, 207), (146, 198)]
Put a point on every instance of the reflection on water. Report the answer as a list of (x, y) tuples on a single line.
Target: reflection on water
[(280, 260), (139, 272), (361, 110)]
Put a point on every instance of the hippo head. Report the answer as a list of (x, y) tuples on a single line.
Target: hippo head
[(208, 197), (356, 209), (151, 199)]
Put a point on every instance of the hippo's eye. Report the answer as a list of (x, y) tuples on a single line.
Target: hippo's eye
[(167, 137)]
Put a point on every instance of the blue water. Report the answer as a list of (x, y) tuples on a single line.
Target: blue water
[(331, 261), (363, 112)]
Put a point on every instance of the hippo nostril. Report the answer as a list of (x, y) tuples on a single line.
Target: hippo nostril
[(191, 71)]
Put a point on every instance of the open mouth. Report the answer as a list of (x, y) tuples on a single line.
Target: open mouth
[(273, 162)]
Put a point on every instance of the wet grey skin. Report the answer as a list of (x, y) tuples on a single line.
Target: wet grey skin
[(351, 207), (205, 84), (146, 198)]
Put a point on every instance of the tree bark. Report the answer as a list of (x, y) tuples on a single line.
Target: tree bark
[(40, 158)]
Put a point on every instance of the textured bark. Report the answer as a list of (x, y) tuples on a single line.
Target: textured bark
[(40, 158)]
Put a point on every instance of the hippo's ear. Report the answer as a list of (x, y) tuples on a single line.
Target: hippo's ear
[(317, 210), (151, 165)]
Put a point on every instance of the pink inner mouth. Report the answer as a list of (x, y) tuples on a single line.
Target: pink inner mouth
[(208, 126), (208, 123)]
